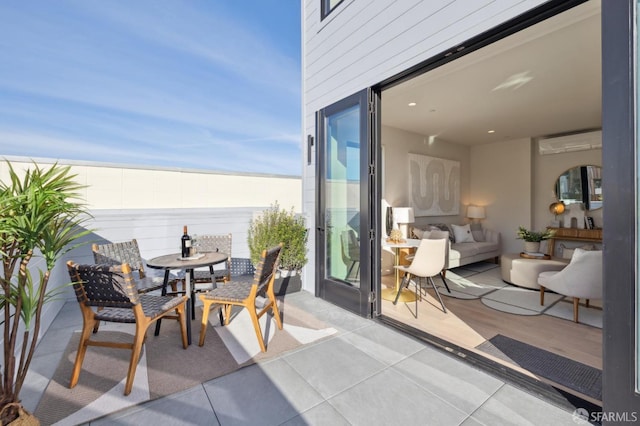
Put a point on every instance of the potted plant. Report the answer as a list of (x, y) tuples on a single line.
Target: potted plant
[(39, 222), (273, 226), (532, 239)]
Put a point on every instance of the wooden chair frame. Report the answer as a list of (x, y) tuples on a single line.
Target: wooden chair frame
[(244, 295), (126, 308)]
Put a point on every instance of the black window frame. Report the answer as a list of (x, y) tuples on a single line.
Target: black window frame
[(326, 9)]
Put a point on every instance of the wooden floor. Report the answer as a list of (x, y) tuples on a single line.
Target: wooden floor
[(468, 323)]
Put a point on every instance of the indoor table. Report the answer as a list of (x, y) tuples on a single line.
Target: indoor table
[(390, 293), (188, 264)]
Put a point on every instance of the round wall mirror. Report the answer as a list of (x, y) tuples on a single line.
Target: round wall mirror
[(581, 184)]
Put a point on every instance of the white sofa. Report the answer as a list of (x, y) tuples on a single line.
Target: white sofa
[(461, 254)]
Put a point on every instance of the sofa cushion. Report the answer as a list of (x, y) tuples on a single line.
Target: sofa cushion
[(442, 227), (462, 233), (462, 250), (477, 232)]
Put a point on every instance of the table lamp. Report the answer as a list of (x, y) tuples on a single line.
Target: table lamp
[(475, 212), (403, 216), (557, 208)]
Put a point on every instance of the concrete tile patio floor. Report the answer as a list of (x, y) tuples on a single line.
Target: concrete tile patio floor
[(366, 374)]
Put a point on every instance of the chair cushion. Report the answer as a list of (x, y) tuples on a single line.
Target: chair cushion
[(477, 232)]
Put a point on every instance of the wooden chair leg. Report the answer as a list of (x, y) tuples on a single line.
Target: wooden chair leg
[(206, 305), (227, 314), (576, 304), (275, 310), (256, 326), (541, 296), (183, 325), (82, 350), (135, 356)]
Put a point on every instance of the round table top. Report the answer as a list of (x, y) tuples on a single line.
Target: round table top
[(174, 261), (407, 243)]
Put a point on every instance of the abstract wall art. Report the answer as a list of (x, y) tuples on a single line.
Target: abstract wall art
[(434, 186)]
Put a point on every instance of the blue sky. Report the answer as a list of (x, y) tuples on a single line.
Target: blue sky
[(206, 84)]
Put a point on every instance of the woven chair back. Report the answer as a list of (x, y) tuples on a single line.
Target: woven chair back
[(104, 285), (215, 243), (267, 267), (115, 254)]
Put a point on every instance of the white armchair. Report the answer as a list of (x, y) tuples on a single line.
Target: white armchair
[(580, 279)]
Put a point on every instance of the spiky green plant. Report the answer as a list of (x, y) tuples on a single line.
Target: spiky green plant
[(534, 236), (40, 217), (274, 226)]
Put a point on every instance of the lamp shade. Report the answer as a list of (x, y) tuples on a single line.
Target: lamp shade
[(403, 215), (475, 212)]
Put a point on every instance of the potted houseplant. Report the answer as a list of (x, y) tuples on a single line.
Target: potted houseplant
[(532, 239), (273, 226), (40, 220)]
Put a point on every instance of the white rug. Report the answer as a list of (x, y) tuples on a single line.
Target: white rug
[(466, 284), (590, 316), (520, 301)]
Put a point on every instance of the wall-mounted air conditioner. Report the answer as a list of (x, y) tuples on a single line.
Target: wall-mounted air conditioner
[(568, 143)]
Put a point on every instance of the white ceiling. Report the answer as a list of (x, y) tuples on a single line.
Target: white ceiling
[(544, 80)]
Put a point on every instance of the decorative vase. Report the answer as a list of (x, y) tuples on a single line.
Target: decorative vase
[(389, 223), (532, 246)]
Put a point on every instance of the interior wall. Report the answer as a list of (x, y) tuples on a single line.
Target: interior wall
[(546, 170), (397, 144), (501, 180)]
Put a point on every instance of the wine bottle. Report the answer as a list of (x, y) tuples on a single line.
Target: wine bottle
[(186, 243)]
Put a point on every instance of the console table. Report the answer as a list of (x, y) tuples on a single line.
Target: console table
[(574, 234)]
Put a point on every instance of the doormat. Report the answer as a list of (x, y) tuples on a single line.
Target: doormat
[(165, 367), (567, 372)]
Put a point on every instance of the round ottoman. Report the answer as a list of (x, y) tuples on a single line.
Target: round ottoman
[(524, 272)]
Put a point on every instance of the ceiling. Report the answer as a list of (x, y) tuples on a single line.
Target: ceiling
[(544, 80)]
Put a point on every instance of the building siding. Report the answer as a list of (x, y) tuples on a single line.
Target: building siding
[(363, 43)]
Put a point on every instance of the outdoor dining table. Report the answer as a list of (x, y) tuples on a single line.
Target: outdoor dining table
[(175, 261)]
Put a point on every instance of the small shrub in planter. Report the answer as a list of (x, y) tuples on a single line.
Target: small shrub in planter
[(274, 226)]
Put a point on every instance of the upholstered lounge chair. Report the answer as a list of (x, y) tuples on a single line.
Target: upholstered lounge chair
[(581, 279)]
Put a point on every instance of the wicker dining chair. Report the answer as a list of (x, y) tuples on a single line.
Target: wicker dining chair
[(214, 243), (244, 294), (113, 289), (126, 252)]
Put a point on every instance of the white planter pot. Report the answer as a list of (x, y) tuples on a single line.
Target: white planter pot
[(532, 247)]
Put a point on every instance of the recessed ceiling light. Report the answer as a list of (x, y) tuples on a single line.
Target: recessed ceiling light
[(491, 131), (412, 104)]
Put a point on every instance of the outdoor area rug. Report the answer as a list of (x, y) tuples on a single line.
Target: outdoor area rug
[(165, 367), (564, 371)]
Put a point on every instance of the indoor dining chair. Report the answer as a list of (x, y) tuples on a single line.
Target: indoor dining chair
[(244, 294), (428, 261), (114, 291)]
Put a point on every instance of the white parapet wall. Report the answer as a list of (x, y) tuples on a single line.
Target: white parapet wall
[(118, 186), (152, 204)]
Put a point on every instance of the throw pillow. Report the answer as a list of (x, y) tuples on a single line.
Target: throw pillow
[(442, 227), (436, 234), (418, 233), (463, 233), (476, 231), (567, 252)]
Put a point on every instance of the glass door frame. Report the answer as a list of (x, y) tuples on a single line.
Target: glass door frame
[(362, 299)]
